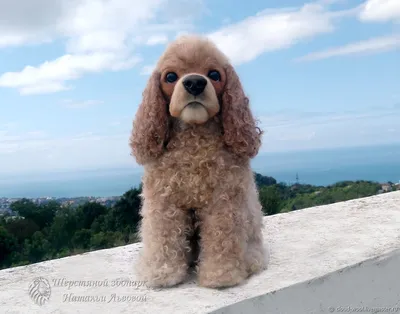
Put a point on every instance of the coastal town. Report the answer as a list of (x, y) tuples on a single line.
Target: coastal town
[(5, 203)]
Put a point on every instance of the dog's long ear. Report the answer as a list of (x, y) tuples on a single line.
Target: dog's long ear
[(241, 134), (150, 126)]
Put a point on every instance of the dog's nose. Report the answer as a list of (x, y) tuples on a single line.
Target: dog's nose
[(195, 84)]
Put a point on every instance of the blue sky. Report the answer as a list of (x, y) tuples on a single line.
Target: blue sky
[(319, 74)]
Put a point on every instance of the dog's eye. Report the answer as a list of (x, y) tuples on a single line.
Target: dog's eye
[(171, 77), (214, 75)]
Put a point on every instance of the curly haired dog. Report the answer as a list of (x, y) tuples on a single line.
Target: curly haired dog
[(194, 134)]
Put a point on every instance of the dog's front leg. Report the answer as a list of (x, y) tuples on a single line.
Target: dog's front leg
[(164, 228), (223, 243)]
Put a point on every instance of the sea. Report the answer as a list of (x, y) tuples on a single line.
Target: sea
[(318, 167)]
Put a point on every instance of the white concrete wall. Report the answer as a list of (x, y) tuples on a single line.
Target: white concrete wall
[(322, 258), (372, 286)]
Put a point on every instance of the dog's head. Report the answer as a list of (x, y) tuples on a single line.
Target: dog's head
[(193, 77), (193, 81)]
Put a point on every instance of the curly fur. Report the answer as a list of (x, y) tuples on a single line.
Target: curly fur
[(150, 129), (198, 180)]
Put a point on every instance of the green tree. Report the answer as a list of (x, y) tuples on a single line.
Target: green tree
[(127, 211), (102, 240), (88, 212), (25, 208), (63, 228), (270, 199), (263, 180), (81, 238), (21, 228), (42, 215), (8, 244), (37, 248), (99, 224)]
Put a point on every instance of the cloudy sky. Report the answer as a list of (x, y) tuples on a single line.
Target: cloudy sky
[(319, 74)]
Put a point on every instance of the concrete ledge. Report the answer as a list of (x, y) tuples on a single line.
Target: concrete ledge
[(342, 257)]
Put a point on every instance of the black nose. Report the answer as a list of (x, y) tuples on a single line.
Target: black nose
[(195, 84)]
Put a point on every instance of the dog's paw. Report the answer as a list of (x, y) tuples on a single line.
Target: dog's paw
[(164, 276), (165, 280), (221, 276), (257, 261)]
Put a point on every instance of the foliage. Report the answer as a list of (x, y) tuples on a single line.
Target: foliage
[(263, 180), (299, 196), (46, 231), (42, 216), (270, 199), (8, 244)]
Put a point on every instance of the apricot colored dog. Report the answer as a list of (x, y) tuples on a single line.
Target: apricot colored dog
[(195, 135)]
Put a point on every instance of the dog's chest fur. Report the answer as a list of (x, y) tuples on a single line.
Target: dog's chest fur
[(195, 164)]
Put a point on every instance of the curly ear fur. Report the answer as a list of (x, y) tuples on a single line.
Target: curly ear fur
[(241, 134), (150, 126)]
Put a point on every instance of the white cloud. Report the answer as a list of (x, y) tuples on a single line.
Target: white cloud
[(7, 40), (272, 30), (109, 24), (380, 11), (95, 41), (29, 22), (99, 36), (82, 21), (157, 40), (102, 35), (45, 88), (51, 76), (374, 45)]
